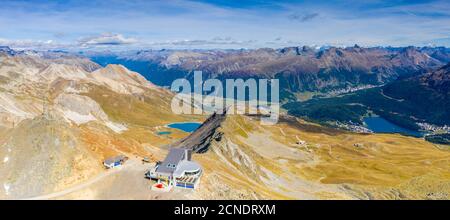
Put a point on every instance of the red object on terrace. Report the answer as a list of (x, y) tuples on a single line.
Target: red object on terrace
[(159, 186)]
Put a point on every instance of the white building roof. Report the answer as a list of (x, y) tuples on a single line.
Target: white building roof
[(186, 166)]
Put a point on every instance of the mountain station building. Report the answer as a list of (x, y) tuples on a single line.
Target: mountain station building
[(177, 170)]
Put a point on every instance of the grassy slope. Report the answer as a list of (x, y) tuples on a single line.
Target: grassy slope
[(153, 111), (144, 116), (333, 165)]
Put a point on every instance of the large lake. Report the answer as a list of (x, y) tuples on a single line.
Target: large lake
[(381, 125), (185, 126)]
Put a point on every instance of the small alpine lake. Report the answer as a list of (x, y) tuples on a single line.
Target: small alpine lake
[(164, 132), (185, 126)]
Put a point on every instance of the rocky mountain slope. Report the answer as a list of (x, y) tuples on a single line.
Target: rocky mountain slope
[(59, 118)]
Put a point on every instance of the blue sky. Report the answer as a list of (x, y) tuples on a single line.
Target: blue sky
[(132, 24)]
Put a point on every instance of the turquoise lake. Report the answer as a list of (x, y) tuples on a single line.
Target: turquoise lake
[(164, 132), (381, 125), (185, 126)]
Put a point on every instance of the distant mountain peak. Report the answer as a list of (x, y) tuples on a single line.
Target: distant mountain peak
[(7, 50), (290, 50)]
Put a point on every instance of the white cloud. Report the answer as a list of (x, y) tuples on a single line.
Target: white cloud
[(107, 39), (214, 43), (32, 44)]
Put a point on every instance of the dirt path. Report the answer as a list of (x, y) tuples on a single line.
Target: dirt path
[(129, 165)]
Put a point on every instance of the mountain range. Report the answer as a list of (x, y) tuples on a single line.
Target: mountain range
[(310, 73), (300, 69)]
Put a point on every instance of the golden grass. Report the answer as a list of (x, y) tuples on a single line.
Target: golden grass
[(377, 162), (149, 110)]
